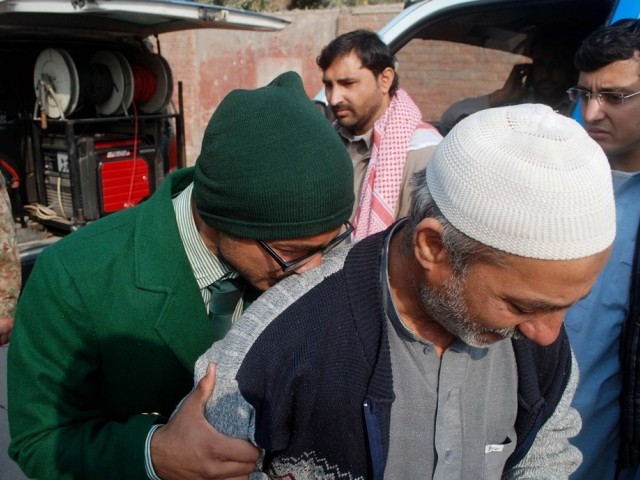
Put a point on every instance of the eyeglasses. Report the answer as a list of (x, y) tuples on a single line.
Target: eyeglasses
[(608, 98), (296, 263)]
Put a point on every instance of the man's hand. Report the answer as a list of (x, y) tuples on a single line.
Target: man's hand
[(512, 91), (6, 325), (188, 447)]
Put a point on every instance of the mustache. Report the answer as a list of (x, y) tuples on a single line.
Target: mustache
[(510, 332), (341, 106)]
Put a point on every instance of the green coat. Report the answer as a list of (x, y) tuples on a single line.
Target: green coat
[(107, 332)]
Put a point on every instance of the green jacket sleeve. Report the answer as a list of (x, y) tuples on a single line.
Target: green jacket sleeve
[(60, 426)]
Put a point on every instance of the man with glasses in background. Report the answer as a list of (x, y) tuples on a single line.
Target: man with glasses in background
[(604, 328), (115, 315)]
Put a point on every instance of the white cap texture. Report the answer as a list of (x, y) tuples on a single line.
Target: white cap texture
[(525, 180)]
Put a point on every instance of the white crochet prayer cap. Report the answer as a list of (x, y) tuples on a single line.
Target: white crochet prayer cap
[(525, 180)]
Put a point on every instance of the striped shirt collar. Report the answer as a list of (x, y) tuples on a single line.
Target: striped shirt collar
[(207, 268)]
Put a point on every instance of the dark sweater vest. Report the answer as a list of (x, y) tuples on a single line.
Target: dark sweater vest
[(330, 389)]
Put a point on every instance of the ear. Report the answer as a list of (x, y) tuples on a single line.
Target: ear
[(209, 235), (385, 79), (427, 246)]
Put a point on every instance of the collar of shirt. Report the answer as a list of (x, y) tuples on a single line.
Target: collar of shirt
[(359, 148), (619, 177), (389, 306), (207, 268), (387, 298), (366, 137)]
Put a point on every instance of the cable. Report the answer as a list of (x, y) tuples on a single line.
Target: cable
[(129, 202), (58, 190), (145, 83), (43, 212), (96, 83), (52, 93), (46, 212), (14, 181)]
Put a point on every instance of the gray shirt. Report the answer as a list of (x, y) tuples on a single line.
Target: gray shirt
[(453, 416), (551, 456)]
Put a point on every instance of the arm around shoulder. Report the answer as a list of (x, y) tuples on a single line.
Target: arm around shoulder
[(189, 447)]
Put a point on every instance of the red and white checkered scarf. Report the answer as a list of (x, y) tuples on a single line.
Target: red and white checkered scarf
[(383, 179)]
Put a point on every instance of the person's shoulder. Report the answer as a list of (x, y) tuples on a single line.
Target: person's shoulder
[(544, 369), (543, 356), (313, 291), (295, 287), (424, 136), (106, 226), (286, 315), (95, 244)]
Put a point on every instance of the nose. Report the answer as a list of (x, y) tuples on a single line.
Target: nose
[(313, 262), (591, 110), (543, 330), (334, 95)]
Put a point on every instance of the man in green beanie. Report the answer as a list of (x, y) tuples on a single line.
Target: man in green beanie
[(114, 316)]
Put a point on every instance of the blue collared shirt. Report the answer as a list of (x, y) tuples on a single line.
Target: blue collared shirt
[(594, 326)]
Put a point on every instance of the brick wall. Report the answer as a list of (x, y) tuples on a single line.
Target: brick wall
[(210, 63)]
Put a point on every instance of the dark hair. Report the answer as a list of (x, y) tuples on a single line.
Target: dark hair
[(618, 41), (374, 54)]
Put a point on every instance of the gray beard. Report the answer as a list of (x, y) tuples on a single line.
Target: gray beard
[(446, 305)]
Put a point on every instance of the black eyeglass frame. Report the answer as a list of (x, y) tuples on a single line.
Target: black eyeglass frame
[(291, 265), (610, 98)]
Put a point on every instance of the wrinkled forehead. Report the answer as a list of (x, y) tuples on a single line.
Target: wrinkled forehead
[(557, 283)]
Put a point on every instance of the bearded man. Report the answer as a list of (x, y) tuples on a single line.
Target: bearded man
[(437, 346)]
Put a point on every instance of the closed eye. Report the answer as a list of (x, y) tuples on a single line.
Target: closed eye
[(519, 310), (535, 307)]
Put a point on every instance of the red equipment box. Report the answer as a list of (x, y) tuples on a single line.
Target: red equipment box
[(124, 173), (97, 174)]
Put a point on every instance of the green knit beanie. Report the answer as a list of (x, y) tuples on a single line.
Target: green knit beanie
[(271, 166)]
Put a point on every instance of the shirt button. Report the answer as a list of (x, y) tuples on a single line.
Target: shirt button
[(448, 456), (427, 349)]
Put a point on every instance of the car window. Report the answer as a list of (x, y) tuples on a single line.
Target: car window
[(438, 73)]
